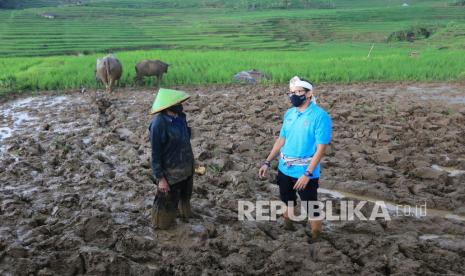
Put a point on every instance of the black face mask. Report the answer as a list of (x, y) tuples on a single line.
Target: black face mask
[(177, 108), (297, 100)]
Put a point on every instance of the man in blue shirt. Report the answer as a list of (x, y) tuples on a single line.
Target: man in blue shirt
[(304, 136)]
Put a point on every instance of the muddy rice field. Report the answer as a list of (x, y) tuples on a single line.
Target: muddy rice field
[(76, 187)]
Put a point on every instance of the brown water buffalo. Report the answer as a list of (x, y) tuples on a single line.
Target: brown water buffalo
[(151, 68), (108, 71)]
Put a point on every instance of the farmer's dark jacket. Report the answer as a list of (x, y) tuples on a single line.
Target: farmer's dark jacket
[(172, 155)]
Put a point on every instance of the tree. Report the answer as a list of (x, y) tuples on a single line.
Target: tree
[(7, 4), (305, 3)]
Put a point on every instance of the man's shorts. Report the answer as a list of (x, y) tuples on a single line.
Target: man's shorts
[(287, 193)]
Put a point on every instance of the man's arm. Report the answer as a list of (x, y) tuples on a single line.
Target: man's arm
[(156, 133), (303, 180), (156, 140), (278, 144), (320, 152)]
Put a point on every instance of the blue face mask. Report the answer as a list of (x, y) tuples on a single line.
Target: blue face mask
[(297, 100)]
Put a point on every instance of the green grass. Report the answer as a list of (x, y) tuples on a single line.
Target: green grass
[(103, 26), (209, 41), (327, 63)]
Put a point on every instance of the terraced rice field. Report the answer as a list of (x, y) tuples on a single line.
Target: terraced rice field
[(118, 25), (209, 41)]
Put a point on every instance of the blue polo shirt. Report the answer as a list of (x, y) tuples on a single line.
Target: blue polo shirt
[(303, 131)]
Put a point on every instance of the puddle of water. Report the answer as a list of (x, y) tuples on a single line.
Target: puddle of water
[(21, 117), (149, 238), (445, 94), (55, 101), (452, 171), (5, 132), (69, 128), (198, 228), (22, 102), (55, 210), (392, 206), (428, 237), (433, 237), (8, 187), (152, 267), (122, 218), (339, 194), (30, 191), (448, 99)]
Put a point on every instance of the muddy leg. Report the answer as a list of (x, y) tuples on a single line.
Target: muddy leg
[(137, 80), (288, 223), (164, 209), (315, 226), (111, 85), (185, 199)]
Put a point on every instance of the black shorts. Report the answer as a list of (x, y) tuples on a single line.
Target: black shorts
[(287, 193)]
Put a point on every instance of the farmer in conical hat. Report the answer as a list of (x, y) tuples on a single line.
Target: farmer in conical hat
[(304, 136), (172, 158)]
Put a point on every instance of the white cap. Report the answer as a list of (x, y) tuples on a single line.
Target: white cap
[(295, 81)]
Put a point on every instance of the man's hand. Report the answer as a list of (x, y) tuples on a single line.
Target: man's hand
[(163, 186), (262, 171), (301, 182)]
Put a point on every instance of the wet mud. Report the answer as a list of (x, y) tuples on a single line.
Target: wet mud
[(76, 187)]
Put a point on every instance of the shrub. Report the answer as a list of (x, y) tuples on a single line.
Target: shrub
[(8, 82), (411, 34)]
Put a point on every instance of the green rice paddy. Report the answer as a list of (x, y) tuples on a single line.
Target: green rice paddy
[(208, 41)]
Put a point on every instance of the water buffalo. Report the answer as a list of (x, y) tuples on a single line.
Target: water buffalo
[(108, 71), (151, 68)]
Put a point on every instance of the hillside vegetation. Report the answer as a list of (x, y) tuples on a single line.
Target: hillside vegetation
[(328, 32)]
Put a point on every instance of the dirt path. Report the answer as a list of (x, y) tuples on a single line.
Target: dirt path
[(76, 185)]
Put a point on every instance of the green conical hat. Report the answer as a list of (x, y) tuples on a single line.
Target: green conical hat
[(167, 98)]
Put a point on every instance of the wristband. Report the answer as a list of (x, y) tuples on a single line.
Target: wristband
[(308, 174), (267, 163)]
